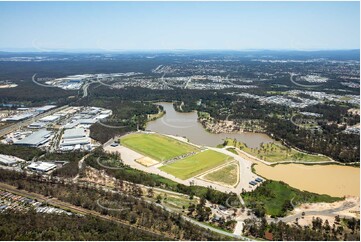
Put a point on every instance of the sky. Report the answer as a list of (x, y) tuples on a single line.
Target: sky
[(111, 26)]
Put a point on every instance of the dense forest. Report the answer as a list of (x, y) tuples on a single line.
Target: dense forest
[(26, 153), (135, 210), (36, 227), (343, 229)]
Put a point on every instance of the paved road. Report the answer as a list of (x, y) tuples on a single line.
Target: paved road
[(326, 212), (188, 81)]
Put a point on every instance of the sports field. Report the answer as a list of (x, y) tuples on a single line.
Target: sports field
[(156, 146), (195, 164), (229, 175)]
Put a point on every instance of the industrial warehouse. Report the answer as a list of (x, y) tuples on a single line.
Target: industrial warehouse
[(7, 160), (64, 129), (36, 139)]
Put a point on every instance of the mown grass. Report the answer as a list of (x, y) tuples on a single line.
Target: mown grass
[(227, 175), (195, 164), (156, 146)]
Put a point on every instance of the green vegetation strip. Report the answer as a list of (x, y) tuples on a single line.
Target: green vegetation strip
[(156, 146), (195, 164), (277, 198), (276, 152)]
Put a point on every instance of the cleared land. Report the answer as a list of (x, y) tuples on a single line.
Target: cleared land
[(156, 146), (276, 152), (226, 175), (146, 161), (195, 164)]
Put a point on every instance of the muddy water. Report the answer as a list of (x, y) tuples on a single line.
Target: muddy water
[(334, 180), (186, 125)]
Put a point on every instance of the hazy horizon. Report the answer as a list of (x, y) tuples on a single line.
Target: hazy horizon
[(166, 26)]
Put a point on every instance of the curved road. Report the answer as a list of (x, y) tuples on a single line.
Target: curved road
[(326, 212)]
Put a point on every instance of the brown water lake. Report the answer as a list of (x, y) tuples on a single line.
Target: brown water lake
[(186, 125), (334, 180)]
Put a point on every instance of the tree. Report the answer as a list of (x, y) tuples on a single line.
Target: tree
[(159, 199), (150, 192)]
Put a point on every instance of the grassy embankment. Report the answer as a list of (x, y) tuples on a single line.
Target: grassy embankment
[(277, 198), (276, 152)]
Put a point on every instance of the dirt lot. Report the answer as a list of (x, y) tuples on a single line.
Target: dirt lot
[(146, 161)]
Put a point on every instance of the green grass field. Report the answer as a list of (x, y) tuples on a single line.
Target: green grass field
[(228, 175), (195, 164), (276, 198), (276, 152), (156, 146)]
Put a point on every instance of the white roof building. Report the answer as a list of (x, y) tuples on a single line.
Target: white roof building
[(71, 125), (41, 166), (35, 139), (8, 160), (74, 142), (87, 121), (74, 133), (18, 117), (50, 118), (45, 108), (36, 125)]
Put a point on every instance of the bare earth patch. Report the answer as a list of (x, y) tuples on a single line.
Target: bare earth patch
[(350, 207), (146, 161)]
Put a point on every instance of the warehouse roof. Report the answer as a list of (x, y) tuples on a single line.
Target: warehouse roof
[(87, 121), (45, 108), (18, 117), (79, 141), (35, 139), (8, 160), (74, 133), (42, 166), (49, 118)]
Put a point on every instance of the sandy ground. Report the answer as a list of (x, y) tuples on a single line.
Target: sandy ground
[(99, 177), (349, 207), (146, 161), (307, 220)]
